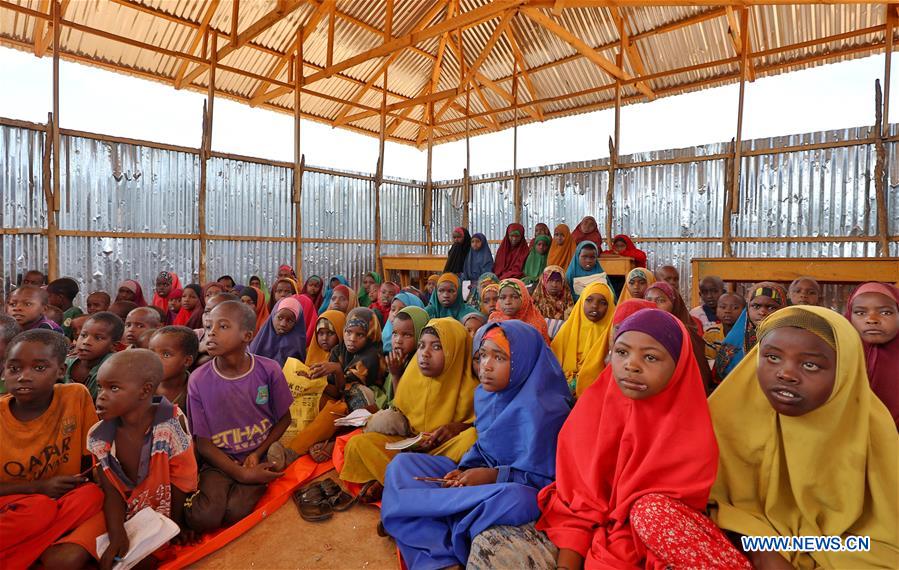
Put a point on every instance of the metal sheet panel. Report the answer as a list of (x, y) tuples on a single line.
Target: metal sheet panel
[(564, 199), (492, 208), (241, 259), (249, 199), (115, 187), (446, 208), (19, 254), (348, 259)]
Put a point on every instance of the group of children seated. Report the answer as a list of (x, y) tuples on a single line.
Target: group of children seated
[(526, 410)]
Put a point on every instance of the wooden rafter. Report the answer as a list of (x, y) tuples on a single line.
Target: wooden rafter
[(548, 23), (281, 11), (633, 55), (405, 112), (37, 33), (472, 70), (485, 103), (519, 60), (40, 48), (736, 33), (480, 14), (195, 43)]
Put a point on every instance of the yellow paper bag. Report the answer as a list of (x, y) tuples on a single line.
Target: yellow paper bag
[(306, 395)]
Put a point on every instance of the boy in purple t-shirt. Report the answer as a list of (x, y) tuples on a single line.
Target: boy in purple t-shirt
[(238, 405)]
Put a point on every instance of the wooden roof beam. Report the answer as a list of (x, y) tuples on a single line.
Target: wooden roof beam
[(633, 56), (37, 32), (41, 44), (519, 60), (566, 36), (308, 28), (487, 106), (480, 14), (405, 112), (195, 42), (733, 29), (281, 11)]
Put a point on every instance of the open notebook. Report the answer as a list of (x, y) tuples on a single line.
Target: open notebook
[(147, 532)]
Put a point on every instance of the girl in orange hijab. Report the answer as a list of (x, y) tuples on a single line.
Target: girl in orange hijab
[(562, 247)]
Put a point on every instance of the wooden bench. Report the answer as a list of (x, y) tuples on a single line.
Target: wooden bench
[(824, 270)]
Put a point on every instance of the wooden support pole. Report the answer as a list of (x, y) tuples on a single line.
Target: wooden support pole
[(379, 175), (891, 21), (466, 174), (428, 213), (211, 44), (880, 173), (516, 179), (53, 205), (614, 145), (299, 160), (732, 194)]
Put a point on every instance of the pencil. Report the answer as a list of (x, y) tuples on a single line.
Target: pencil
[(433, 479)]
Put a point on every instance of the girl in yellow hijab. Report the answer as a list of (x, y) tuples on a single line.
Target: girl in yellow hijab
[(806, 448), (582, 343), (436, 400), (636, 283)]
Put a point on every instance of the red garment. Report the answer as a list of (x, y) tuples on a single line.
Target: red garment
[(614, 450), (310, 316), (163, 302), (317, 299), (629, 307), (509, 261), (135, 288), (528, 313), (630, 250), (30, 524), (578, 235), (192, 319), (882, 359)]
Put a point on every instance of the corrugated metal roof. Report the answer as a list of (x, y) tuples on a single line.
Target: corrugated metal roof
[(680, 49)]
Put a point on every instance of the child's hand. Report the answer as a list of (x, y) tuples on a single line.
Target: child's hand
[(252, 460), (118, 548), (395, 361), (324, 369), (56, 487), (453, 477), (261, 474), (443, 434), (477, 476)]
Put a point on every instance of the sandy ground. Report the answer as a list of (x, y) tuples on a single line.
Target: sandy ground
[(284, 540)]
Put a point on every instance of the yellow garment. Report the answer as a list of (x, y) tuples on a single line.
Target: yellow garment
[(316, 354), (830, 472), (581, 345), (428, 403), (320, 429), (306, 392), (714, 338), (640, 272)]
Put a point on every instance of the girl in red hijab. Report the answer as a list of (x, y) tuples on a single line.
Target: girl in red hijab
[(623, 245), (874, 312), (512, 253), (587, 230), (310, 316), (636, 461)]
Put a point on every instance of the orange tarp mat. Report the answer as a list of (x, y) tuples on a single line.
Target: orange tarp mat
[(300, 472)]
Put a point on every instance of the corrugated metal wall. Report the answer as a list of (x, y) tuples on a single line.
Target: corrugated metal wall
[(142, 190)]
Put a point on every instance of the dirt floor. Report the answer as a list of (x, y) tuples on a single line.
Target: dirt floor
[(284, 540)]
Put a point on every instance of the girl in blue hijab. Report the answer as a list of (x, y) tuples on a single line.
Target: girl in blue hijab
[(479, 259), (583, 266), (408, 300), (520, 406), (326, 300)]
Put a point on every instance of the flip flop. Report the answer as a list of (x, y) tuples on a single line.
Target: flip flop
[(339, 499), (321, 452), (313, 504), (365, 495)]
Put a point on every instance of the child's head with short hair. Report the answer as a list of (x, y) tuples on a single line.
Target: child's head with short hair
[(729, 308), (98, 301), (710, 289), (54, 314), (211, 304), (121, 309), (472, 322), (139, 321), (874, 312), (127, 382), (797, 361), (77, 324), (668, 274), (26, 304), (34, 277), (494, 361), (98, 336), (587, 256), (431, 357), (61, 292), (9, 328), (646, 352), (386, 293), (764, 298), (804, 291), (177, 348), (232, 327), (35, 362)]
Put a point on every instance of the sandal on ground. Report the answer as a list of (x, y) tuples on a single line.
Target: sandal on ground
[(322, 452), (339, 499), (313, 504), (371, 492)]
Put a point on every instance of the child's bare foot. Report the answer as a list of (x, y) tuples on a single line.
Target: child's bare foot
[(371, 492)]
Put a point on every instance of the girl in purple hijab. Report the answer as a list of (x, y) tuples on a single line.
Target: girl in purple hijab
[(281, 337)]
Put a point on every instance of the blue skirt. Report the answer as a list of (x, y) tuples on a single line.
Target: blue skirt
[(434, 526)]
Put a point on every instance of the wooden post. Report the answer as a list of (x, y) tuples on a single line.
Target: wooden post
[(379, 175), (880, 173), (613, 147), (428, 213), (732, 194), (516, 179), (206, 149), (466, 174), (54, 203), (891, 20), (299, 160)]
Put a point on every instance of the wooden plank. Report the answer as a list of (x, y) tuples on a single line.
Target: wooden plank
[(633, 55), (733, 193), (824, 270), (616, 265), (736, 35), (37, 32), (195, 43), (298, 160)]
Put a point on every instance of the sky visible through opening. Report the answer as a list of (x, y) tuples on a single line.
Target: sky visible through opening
[(827, 97)]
